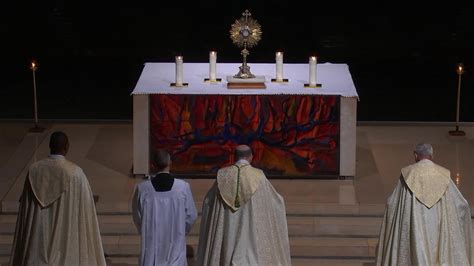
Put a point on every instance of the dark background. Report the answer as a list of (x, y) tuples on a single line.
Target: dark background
[(90, 53)]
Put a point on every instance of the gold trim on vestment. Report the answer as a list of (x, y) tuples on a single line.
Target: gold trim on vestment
[(427, 180), (236, 190), (49, 178)]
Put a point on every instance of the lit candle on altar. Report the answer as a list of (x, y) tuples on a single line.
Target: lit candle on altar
[(212, 65), (279, 66), (179, 70), (312, 70)]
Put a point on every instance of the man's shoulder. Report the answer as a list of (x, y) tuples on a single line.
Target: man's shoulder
[(180, 183), (227, 168), (74, 169), (45, 162), (443, 169), (254, 171), (65, 164), (177, 182), (257, 170), (235, 168), (424, 167), (143, 184)]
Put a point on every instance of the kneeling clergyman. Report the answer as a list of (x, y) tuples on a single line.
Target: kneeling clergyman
[(427, 221), (243, 218)]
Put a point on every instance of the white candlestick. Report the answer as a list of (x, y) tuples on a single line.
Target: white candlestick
[(212, 65), (279, 66), (312, 70), (179, 71)]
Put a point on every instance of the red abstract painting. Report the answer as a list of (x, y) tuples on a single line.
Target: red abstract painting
[(290, 135)]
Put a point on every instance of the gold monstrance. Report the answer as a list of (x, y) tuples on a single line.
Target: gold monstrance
[(245, 33)]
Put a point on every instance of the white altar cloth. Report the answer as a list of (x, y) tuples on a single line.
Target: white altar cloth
[(335, 79)]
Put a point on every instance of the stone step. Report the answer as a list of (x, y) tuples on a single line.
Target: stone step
[(5, 249), (133, 261), (332, 262), (4, 260), (300, 247), (295, 261), (297, 225), (306, 226), (292, 208), (129, 245)]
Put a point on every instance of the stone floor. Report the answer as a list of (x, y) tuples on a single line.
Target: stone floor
[(104, 151)]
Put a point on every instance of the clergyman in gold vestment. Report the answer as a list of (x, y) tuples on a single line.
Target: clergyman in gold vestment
[(243, 218), (427, 221), (57, 222)]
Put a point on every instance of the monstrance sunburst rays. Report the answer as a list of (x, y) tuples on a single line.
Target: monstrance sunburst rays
[(245, 33), (245, 30)]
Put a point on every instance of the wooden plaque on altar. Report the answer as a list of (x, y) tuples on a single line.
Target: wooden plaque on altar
[(246, 85), (257, 82)]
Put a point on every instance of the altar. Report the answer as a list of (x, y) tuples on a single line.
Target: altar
[(294, 131)]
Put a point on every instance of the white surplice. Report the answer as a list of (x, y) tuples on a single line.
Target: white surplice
[(427, 221), (57, 221), (243, 220), (163, 219)]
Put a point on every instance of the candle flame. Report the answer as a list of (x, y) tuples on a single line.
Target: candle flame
[(213, 52), (33, 65), (460, 69), (279, 53), (457, 179), (313, 58)]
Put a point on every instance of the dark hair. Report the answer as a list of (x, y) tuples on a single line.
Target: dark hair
[(58, 142), (161, 159)]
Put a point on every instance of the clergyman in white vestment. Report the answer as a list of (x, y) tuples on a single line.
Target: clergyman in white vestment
[(243, 218), (427, 221), (57, 221), (163, 212)]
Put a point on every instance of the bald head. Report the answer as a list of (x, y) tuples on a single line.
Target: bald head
[(243, 152), (58, 143)]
